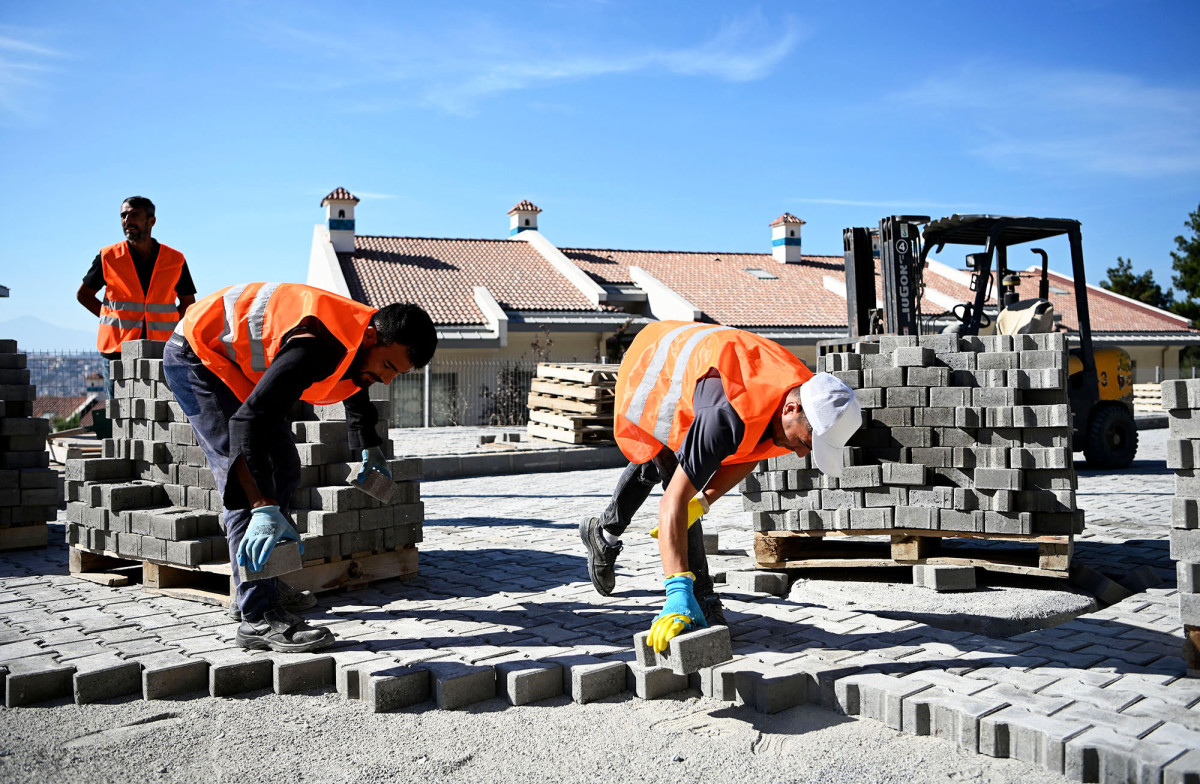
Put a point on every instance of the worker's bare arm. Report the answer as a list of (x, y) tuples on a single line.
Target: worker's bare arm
[(727, 478), (86, 296), (673, 523)]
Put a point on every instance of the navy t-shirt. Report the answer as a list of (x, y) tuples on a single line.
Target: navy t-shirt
[(715, 434)]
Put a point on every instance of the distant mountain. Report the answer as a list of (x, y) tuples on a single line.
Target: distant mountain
[(34, 334)]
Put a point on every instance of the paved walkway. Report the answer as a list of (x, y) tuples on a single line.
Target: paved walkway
[(503, 606)]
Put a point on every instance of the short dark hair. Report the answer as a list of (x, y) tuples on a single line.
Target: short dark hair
[(141, 203), (404, 322)]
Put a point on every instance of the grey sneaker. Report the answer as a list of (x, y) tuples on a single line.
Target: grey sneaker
[(279, 630), (289, 599), (602, 557)]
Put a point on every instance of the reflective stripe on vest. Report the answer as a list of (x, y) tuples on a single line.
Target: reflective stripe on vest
[(666, 409), (254, 324)]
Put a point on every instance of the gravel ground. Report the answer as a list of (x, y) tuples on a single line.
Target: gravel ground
[(270, 738)]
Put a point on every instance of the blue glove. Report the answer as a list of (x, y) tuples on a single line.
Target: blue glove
[(268, 527), (680, 612), (373, 460)]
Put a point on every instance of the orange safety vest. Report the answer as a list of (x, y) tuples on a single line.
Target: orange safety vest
[(658, 378), (237, 332), (126, 307)]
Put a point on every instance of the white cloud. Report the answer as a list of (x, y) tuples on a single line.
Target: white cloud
[(458, 70), (1067, 120), (23, 68)]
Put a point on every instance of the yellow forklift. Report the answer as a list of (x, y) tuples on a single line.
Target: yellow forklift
[(1100, 383)]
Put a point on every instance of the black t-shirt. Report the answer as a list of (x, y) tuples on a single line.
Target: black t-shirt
[(715, 433), (94, 279), (300, 363)]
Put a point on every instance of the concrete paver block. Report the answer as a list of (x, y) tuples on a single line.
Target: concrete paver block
[(457, 685), (524, 681), (1040, 740), (104, 676), (297, 672), (947, 715), (235, 672), (650, 683), (171, 674), (688, 652), (392, 688), (757, 581), (284, 558), (590, 678), (35, 679), (944, 578), (1101, 754)]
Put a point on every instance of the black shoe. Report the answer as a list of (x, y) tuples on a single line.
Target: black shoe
[(289, 599), (602, 557), (714, 613), (279, 630)]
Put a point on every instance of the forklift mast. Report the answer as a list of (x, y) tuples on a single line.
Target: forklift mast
[(900, 262)]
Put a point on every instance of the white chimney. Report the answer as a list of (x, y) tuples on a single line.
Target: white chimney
[(523, 217), (339, 213), (785, 239)]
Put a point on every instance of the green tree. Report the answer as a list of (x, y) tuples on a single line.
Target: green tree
[(1185, 260), (1121, 280)]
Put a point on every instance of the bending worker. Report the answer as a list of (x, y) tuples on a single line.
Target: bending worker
[(238, 362), (712, 401), (142, 279)]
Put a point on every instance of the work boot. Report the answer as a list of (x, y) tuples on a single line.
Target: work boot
[(279, 630), (602, 557), (714, 613), (289, 599)]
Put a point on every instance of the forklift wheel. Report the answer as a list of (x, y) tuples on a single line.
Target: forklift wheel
[(1112, 438)]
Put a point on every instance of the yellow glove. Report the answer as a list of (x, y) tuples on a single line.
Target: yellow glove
[(697, 508), (680, 612)]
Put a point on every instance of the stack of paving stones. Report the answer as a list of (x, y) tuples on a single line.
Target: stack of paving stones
[(151, 495), (968, 434), (1181, 399), (29, 489)]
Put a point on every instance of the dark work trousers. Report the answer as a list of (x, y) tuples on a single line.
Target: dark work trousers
[(209, 404), (633, 488)]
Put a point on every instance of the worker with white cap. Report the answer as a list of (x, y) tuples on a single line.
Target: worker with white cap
[(712, 401)]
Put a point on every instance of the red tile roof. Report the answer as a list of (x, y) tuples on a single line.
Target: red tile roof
[(49, 406), (786, 218), (340, 194), (525, 205), (439, 274)]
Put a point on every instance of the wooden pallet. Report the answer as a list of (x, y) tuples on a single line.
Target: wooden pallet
[(1049, 556), (24, 537), (580, 372), (212, 583), (569, 405), (1147, 397)]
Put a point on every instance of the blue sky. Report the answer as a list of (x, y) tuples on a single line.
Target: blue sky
[(633, 125)]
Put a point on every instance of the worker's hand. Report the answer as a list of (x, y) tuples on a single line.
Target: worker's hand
[(372, 460), (697, 508), (268, 527), (680, 613)]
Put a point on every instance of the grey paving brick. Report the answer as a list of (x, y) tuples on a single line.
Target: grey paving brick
[(235, 672), (1016, 733), (876, 696), (944, 578), (285, 558), (35, 679), (758, 581), (395, 687), (688, 652), (650, 683), (457, 685), (104, 676), (1101, 754), (296, 672), (589, 678), (524, 681), (171, 674)]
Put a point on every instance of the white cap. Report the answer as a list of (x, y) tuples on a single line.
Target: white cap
[(834, 413)]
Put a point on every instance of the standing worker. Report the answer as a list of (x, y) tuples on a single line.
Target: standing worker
[(238, 362), (712, 401), (142, 279)]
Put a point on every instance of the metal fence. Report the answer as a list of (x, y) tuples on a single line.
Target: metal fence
[(464, 392), (1157, 375), (64, 373)]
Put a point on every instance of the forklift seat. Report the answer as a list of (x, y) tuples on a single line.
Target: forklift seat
[(1026, 317)]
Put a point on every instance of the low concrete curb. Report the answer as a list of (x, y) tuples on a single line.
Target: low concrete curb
[(522, 461)]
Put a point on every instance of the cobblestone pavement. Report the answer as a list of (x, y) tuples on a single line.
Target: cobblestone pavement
[(503, 607)]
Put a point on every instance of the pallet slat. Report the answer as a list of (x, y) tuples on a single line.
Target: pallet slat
[(573, 391), (1047, 556), (570, 406), (581, 372)]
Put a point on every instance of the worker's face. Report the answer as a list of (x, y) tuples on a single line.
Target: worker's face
[(791, 429), (135, 223), (378, 363)]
